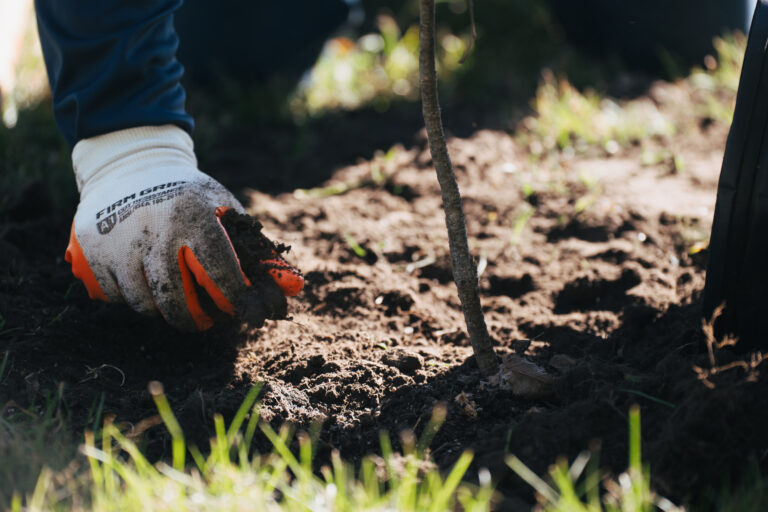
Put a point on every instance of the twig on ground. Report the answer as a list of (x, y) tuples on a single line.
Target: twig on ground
[(749, 366)]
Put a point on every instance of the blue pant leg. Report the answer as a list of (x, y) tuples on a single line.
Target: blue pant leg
[(112, 65)]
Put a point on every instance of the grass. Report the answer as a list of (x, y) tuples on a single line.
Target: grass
[(31, 439), (380, 175), (573, 120), (751, 495), (568, 118), (577, 487), (521, 220), (715, 85), (231, 477), (583, 487), (354, 245), (375, 70), (379, 68), (113, 474)]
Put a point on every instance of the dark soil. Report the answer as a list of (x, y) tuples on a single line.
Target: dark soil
[(605, 298)]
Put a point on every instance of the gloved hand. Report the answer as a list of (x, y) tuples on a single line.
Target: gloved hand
[(146, 230)]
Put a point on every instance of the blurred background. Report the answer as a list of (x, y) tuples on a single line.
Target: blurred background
[(544, 69)]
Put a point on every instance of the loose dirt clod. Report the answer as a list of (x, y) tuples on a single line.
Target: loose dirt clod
[(404, 360), (264, 299)]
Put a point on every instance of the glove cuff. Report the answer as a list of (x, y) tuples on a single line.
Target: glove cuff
[(124, 152)]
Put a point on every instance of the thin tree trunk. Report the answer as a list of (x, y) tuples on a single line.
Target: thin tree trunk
[(464, 271)]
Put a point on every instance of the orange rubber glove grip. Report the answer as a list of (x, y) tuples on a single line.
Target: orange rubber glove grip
[(81, 269), (287, 278), (191, 270)]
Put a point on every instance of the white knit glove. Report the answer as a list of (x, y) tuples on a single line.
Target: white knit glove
[(146, 230)]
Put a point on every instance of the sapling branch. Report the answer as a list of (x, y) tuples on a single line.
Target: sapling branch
[(464, 272)]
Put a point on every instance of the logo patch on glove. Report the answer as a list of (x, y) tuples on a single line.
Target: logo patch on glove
[(123, 208), (106, 225)]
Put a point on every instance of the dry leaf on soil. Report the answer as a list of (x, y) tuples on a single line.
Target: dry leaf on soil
[(523, 378)]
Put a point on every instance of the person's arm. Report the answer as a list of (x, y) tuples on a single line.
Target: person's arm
[(146, 231), (112, 65)]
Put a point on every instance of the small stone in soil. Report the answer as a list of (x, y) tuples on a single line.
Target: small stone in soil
[(403, 360)]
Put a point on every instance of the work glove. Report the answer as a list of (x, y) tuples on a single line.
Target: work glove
[(147, 230)]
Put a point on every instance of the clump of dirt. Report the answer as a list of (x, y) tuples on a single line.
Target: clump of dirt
[(598, 286), (258, 256), (253, 249)]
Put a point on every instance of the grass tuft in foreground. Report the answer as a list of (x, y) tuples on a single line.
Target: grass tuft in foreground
[(31, 438), (569, 492), (120, 477)]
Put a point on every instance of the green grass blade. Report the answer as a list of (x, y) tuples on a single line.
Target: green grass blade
[(37, 502), (386, 453), (220, 448), (305, 452), (592, 483), (242, 411), (96, 469), (110, 483), (281, 447), (453, 480), (143, 467), (253, 422), (340, 481), (566, 488), (532, 479), (370, 480), (435, 422), (635, 448), (16, 503), (356, 247), (199, 459), (97, 417), (276, 476), (177, 435)]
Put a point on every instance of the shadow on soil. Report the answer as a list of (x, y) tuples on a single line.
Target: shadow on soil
[(282, 157)]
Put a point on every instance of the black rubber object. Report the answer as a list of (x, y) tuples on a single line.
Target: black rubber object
[(737, 270)]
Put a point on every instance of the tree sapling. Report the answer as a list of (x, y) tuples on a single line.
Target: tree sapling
[(464, 271)]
